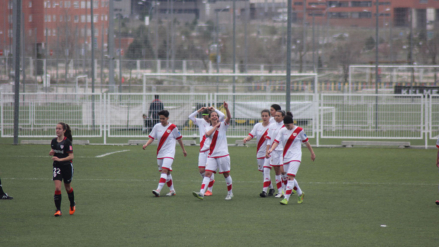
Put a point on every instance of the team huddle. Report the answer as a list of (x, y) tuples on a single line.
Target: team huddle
[(278, 147)]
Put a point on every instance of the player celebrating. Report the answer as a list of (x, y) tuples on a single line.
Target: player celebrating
[(437, 161), (166, 133), (291, 137), (62, 152), (218, 154), (202, 123), (276, 157), (260, 131)]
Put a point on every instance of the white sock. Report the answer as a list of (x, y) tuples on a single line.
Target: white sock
[(206, 181), (267, 180), (162, 181), (212, 181), (229, 184), (279, 183), (170, 182), (297, 188), (289, 189)]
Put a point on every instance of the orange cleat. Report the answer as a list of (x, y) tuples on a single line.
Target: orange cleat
[(208, 193), (72, 209), (58, 213)]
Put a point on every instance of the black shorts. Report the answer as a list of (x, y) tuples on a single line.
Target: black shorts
[(64, 172)]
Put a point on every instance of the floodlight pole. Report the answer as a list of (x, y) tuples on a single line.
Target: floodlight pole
[(234, 58), (288, 79), (16, 30), (376, 63)]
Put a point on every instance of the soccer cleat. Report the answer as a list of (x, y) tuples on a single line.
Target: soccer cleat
[(263, 194), (300, 200), (5, 196), (229, 196), (279, 195), (58, 213), (156, 193), (208, 193), (284, 201), (198, 195), (72, 209), (271, 192), (437, 202), (171, 193)]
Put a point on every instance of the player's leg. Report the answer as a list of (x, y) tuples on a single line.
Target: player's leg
[(167, 163), (265, 182), (224, 168), (163, 176), (202, 160), (291, 185), (284, 176), (276, 163), (210, 168), (57, 179), (67, 173), (3, 195)]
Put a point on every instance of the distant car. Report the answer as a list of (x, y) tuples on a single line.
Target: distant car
[(280, 18)]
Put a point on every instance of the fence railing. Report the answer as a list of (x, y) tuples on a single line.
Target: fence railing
[(337, 116)]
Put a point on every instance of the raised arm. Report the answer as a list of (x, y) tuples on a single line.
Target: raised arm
[(229, 116), (193, 116)]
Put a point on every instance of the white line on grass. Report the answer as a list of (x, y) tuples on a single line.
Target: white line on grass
[(186, 181), (103, 155)]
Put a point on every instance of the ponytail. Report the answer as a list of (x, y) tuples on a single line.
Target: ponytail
[(276, 107), (68, 132), (289, 114)]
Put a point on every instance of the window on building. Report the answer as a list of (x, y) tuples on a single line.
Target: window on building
[(30, 32), (10, 18), (383, 3), (316, 3), (48, 4), (76, 4), (30, 18), (82, 18), (88, 32), (30, 4), (54, 32), (298, 3), (68, 18), (338, 3), (95, 4), (361, 4), (60, 4), (67, 4), (76, 19), (49, 17), (82, 4), (48, 32), (10, 34), (423, 1), (96, 32), (365, 15), (10, 4), (54, 18)]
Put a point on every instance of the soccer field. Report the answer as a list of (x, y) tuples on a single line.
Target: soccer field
[(350, 193)]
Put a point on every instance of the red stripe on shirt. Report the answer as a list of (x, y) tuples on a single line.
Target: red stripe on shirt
[(291, 139), (213, 143), (251, 135), (305, 140), (202, 143), (150, 137), (165, 137), (262, 140), (218, 156), (437, 146)]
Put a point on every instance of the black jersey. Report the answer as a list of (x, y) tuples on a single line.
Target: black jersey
[(62, 150)]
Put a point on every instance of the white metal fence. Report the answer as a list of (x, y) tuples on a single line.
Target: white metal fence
[(339, 116), (39, 114)]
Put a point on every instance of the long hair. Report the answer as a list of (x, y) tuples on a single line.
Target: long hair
[(68, 132)]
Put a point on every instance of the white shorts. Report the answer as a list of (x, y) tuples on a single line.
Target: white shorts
[(222, 164), (293, 168), (202, 159), (165, 163), (263, 163), (276, 158)]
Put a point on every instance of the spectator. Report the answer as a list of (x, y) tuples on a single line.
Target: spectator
[(154, 109)]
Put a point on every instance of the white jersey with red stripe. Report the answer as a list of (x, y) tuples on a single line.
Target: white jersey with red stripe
[(294, 151), (273, 130), (202, 125), (218, 141), (167, 148), (258, 131), (437, 143)]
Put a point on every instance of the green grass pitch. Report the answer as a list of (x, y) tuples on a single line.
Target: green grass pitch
[(350, 193)]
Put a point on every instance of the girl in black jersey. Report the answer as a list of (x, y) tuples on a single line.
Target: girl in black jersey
[(62, 152)]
